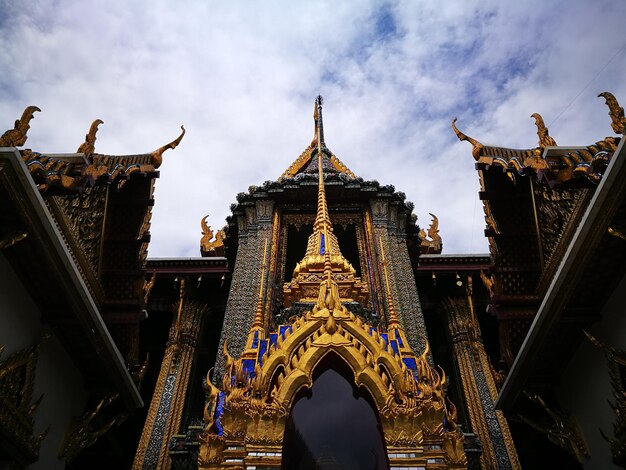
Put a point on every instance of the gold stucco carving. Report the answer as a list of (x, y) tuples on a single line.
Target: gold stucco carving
[(89, 146), (156, 157), (616, 361), (559, 427), (430, 241), (542, 132), (83, 432), (208, 244), (10, 239), (618, 121), (17, 408), (16, 137), (256, 394)]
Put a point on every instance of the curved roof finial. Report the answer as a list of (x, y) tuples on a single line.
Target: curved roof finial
[(88, 147), (542, 131), (618, 121), (477, 146), (16, 137), (318, 122), (157, 155)]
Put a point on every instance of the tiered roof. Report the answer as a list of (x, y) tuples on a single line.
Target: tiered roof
[(548, 162)]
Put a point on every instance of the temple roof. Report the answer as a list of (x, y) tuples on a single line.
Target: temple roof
[(75, 171), (549, 162), (305, 163)]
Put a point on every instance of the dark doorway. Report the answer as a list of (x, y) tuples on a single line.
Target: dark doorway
[(334, 425)]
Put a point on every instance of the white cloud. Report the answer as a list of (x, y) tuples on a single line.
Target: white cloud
[(242, 78)]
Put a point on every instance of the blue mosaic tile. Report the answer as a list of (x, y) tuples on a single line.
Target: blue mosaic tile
[(248, 366), (399, 339), (262, 351), (255, 340), (273, 339), (284, 328), (394, 346), (410, 363), (385, 337), (219, 410)]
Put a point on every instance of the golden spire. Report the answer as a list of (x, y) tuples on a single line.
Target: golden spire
[(322, 219), (258, 316), (323, 256)]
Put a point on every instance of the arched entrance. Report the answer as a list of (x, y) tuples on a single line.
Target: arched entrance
[(333, 425)]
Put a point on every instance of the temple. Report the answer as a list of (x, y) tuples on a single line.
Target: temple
[(321, 328)]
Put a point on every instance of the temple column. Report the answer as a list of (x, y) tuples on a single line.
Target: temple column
[(166, 408), (479, 388), (383, 226), (254, 231)]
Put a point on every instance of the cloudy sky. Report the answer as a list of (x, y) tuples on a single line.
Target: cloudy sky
[(242, 77)]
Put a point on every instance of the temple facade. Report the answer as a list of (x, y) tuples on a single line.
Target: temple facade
[(321, 328)]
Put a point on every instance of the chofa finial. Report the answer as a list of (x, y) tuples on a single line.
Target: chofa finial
[(88, 147), (618, 121), (477, 146), (16, 137), (542, 131), (317, 117), (157, 155)]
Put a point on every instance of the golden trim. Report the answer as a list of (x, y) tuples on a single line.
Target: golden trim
[(89, 146), (16, 137), (618, 121)]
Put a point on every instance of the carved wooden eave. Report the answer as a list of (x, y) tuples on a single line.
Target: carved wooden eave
[(72, 173), (452, 262), (572, 302), (54, 279), (548, 162)]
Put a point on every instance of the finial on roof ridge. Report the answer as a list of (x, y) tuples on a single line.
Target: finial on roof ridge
[(157, 155), (542, 131), (618, 121), (88, 147), (477, 146), (16, 137), (317, 118)]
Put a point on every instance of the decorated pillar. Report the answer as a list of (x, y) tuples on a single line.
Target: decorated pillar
[(254, 231), (166, 409), (479, 387), (384, 229)]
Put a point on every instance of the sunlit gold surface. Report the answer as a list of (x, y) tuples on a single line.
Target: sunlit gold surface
[(430, 242), (618, 121), (412, 411), (542, 132), (89, 146), (157, 155), (208, 244), (16, 137), (323, 253)]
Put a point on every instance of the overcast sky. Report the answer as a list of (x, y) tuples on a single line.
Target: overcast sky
[(242, 77)]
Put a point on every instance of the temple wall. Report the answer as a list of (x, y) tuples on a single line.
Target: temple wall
[(389, 229), (255, 230), (56, 376), (586, 388)]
